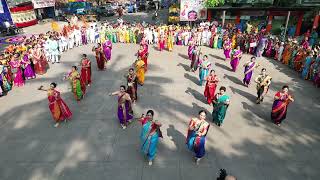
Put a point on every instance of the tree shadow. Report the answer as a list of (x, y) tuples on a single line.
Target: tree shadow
[(191, 78), (217, 57), (223, 67)]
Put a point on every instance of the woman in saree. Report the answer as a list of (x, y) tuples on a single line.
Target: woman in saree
[(306, 67), (39, 60), (210, 89), (236, 58), (196, 136), (227, 48), (16, 69), (190, 49), (59, 109), (220, 105), (248, 70), (143, 55), (269, 47), (85, 74), (298, 59), (314, 67), (286, 54), (204, 68), (100, 57), (132, 85), (107, 48), (5, 85), (263, 82), (195, 58), (125, 113), (78, 87), (149, 135), (280, 105), (28, 70), (170, 41), (161, 43), (140, 71), (220, 42)]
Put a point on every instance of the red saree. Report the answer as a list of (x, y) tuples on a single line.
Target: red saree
[(85, 75), (59, 109), (101, 59), (40, 63), (210, 88)]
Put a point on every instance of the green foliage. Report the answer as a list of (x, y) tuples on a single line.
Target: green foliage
[(214, 3)]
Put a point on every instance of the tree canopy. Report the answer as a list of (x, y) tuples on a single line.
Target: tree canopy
[(214, 3)]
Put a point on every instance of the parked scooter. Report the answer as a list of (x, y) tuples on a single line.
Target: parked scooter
[(7, 29)]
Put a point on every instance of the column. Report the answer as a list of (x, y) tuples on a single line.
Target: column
[(269, 25), (287, 22), (299, 24), (209, 11)]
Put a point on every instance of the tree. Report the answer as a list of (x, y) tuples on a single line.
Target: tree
[(214, 3)]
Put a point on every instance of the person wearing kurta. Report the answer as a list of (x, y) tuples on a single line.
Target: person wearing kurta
[(149, 136), (77, 86), (263, 82), (125, 113), (236, 56), (15, 65), (143, 55), (211, 85), (227, 48), (280, 105), (85, 74), (59, 109), (220, 105), (140, 71), (204, 68), (100, 57), (132, 85), (39, 61), (28, 70), (196, 135), (305, 74), (53, 50), (248, 70)]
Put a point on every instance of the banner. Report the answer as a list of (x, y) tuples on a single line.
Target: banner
[(193, 10), (43, 3), (23, 16)]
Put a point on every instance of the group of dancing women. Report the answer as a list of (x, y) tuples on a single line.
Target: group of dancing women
[(31, 58)]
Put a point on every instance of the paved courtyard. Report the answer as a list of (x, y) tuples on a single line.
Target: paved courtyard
[(93, 146)]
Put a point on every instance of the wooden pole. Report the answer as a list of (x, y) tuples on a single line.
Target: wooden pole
[(287, 22), (223, 17)]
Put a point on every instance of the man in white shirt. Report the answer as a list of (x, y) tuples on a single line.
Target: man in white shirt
[(53, 49)]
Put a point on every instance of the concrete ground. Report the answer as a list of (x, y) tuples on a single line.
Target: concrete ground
[(93, 146)]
